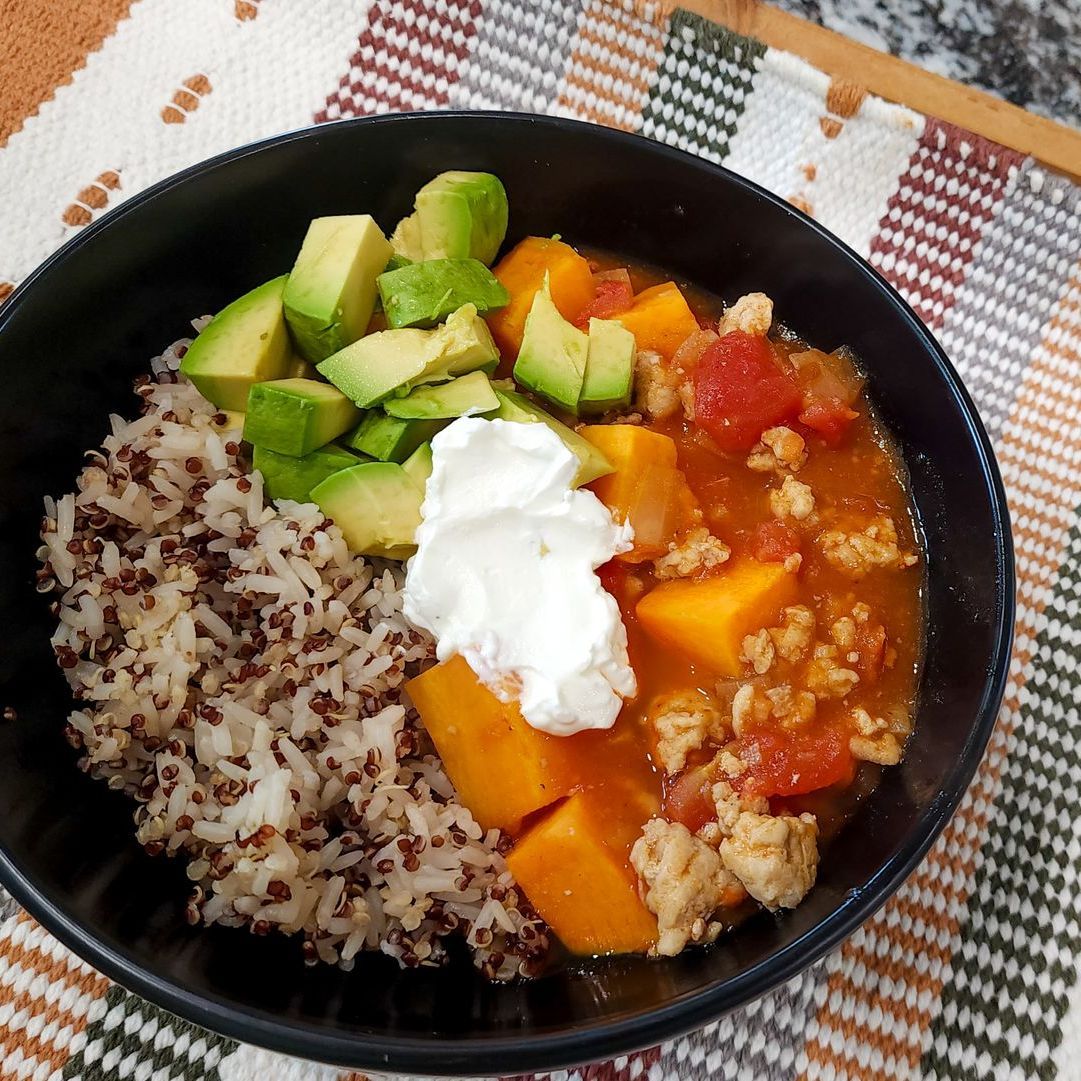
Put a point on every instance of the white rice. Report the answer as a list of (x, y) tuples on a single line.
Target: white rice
[(241, 677)]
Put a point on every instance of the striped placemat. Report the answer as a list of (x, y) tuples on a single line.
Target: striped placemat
[(971, 970)]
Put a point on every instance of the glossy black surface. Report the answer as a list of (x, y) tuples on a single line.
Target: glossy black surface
[(75, 335)]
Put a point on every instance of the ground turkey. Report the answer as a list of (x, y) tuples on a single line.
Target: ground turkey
[(774, 857), (685, 883), (682, 722)]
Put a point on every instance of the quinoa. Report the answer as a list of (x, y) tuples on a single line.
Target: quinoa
[(240, 675)]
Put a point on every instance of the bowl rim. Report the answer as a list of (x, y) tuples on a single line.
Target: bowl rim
[(591, 1041)]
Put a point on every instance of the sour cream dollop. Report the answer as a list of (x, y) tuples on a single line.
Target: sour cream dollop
[(504, 574)]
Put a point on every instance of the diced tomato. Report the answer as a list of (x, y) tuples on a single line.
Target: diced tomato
[(871, 645), (830, 384), (791, 763), (688, 799), (611, 297), (619, 578), (740, 390), (612, 575), (773, 542), (829, 417)]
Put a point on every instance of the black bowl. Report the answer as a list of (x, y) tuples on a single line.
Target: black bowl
[(71, 341)]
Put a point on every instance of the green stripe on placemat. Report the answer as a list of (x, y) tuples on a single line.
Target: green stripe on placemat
[(701, 86), (1018, 959), (133, 1032)]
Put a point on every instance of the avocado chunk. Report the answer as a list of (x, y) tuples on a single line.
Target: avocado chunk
[(458, 215), (376, 505), (396, 262), (552, 359), (516, 407), (234, 420), (244, 343), (466, 396), (299, 368), (331, 291), (422, 294), (406, 242), (418, 466), (286, 477), (392, 362), (391, 439), (294, 416), (609, 378)]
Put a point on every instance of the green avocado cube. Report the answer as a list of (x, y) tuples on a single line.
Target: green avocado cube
[(294, 416), (245, 343), (406, 241), (422, 294), (299, 368), (418, 466), (609, 378), (286, 477), (331, 291), (467, 396), (519, 409), (377, 507), (458, 215), (233, 422), (396, 262), (392, 362), (391, 439), (552, 359)]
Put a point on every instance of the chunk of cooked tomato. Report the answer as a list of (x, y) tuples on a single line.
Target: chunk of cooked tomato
[(618, 578), (613, 576), (828, 417), (782, 763), (871, 645), (740, 390), (689, 798), (830, 385), (773, 542), (611, 297)]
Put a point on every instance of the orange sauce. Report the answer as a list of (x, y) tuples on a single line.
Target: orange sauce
[(864, 473)]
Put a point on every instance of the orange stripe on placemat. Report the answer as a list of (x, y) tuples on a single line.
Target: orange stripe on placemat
[(89, 199), (33, 1048), (31, 1040), (912, 964), (39, 1007), (42, 46), (186, 99), (607, 79), (41, 1014), (35, 959)]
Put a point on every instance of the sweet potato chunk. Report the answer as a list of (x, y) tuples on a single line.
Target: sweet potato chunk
[(577, 876), (660, 319), (502, 768), (708, 618), (630, 449), (521, 272), (646, 489)]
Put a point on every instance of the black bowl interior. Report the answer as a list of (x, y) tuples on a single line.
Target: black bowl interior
[(75, 336)]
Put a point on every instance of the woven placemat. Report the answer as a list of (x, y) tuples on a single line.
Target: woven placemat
[(970, 971)]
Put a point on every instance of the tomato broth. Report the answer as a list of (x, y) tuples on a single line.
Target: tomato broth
[(863, 472)]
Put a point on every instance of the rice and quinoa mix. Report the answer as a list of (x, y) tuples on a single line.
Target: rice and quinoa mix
[(241, 676)]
